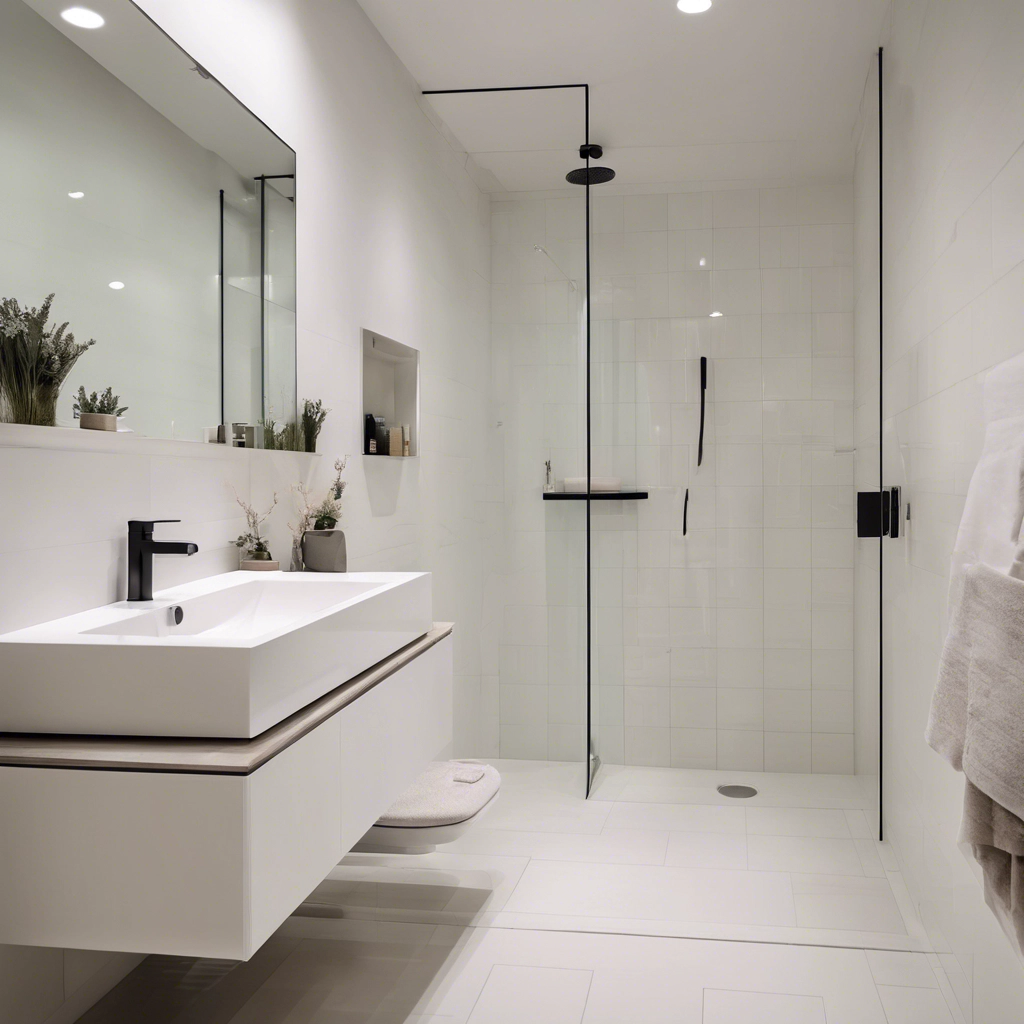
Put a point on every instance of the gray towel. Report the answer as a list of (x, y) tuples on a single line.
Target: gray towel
[(977, 714), (993, 752), (997, 838), (980, 730)]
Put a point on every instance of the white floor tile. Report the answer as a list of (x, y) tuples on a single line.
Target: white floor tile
[(914, 1005), (707, 850), (905, 969), (727, 1006), (803, 854), (612, 846), (797, 821), (541, 995), (654, 893), (677, 817), (846, 902), (858, 825)]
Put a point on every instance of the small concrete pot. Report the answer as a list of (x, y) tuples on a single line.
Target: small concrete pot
[(324, 551), (97, 421), (259, 561)]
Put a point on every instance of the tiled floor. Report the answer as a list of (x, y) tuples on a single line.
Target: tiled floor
[(655, 901)]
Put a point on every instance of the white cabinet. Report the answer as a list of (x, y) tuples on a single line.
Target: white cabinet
[(194, 863)]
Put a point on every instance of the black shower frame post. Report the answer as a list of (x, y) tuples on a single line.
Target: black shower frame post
[(881, 466), (263, 298), (585, 152), (220, 272)]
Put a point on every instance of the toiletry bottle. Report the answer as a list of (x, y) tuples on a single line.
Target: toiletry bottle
[(549, 484), (370, 435)]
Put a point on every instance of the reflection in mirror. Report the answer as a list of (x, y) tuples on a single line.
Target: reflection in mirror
[(160, 214)]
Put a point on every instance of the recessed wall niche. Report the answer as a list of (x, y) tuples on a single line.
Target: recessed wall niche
[(391, 390)]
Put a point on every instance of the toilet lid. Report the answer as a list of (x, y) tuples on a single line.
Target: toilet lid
[(445, 794)]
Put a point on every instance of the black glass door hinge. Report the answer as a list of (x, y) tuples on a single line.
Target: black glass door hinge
[(878, 513)]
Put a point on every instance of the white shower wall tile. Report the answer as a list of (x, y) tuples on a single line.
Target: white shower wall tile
[(710, 647)]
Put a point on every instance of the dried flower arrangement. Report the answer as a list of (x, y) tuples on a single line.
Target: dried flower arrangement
[(323, 514), (34, 363), (317, 515), (252, 541), (107, 404)]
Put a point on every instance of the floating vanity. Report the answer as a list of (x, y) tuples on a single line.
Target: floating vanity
[(200, 833)]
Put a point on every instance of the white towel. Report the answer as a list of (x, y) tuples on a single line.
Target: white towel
[(989, 532)]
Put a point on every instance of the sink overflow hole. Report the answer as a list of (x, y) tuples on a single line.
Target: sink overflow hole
[(738, 792), (177, 614)]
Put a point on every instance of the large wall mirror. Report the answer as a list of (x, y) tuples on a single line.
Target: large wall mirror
[(160, 214)]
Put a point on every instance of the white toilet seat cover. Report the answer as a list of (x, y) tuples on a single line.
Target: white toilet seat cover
[(445, 794)]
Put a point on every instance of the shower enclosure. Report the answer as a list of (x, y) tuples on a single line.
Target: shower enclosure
[(683, 356)]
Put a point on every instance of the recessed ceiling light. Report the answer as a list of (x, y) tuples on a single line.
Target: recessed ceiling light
[(76, 195), (693, 6), (118, 285), (716, 313), (82, 17)]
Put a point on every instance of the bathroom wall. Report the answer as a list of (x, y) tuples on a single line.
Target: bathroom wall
[(392, 235), (731, 647), (954, 310)]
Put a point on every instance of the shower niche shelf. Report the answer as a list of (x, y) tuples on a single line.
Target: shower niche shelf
[(594, 495), (391, 385)]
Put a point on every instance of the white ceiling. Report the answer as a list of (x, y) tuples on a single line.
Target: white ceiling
[(752, 89)]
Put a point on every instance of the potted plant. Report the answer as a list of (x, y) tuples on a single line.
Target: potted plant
[(313, 416), (34, 363), (98, 412), (318, 546), (257, 551)]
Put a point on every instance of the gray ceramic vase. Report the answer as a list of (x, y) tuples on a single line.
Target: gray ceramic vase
[(324, 551)]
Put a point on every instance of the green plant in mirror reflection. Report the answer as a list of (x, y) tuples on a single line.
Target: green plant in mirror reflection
[(313, 416), (34, 363), (107, 404), (284, 438)]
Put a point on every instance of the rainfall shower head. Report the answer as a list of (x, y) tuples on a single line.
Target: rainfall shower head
[(590, 175)]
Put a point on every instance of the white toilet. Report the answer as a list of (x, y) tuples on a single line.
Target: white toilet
[(442, 804)]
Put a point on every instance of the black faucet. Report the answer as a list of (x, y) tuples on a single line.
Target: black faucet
[(142, 548)]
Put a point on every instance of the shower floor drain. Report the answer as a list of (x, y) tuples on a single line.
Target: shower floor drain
[(738, 792)]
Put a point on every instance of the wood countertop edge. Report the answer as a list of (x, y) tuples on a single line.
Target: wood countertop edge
[(201, 755)]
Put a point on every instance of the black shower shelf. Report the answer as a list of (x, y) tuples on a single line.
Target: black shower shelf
[(594, 495)]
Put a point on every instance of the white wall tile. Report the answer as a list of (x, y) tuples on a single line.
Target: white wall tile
[(736, 208)]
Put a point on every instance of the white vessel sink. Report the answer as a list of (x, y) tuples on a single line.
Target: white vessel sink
[(250, 649)]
